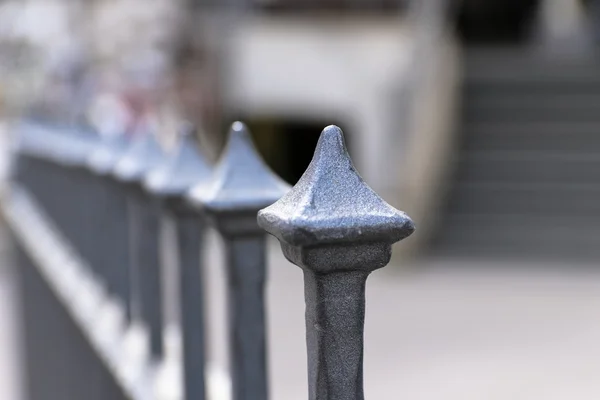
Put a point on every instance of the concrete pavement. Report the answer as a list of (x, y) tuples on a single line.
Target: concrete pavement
[(449, 329), (442, 330)]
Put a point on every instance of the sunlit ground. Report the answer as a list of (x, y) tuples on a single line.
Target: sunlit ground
[(443, 329)]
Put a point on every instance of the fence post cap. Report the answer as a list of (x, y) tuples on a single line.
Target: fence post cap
[(61, 144), (181, 171), (144, 154), (242, 182), (111, 149), (332, 205)]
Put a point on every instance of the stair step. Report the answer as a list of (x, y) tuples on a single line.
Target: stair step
[(520, 235), (528, 167), (536, 101), (563, 137), (564, 82), (528, 68), (550, 101), (481, 113), (527, 179), (530, 198)]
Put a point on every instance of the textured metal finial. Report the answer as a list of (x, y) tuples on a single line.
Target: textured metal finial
[(338, 231), (144, 154), (242, 184), (242, 181), (180, 172), (332, 204), (104, 158)]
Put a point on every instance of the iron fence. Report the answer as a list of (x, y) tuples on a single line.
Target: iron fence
[(87, 214)]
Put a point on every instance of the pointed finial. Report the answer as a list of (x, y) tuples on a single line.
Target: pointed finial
[(143, 155), (242, 181), (333, 226), (331, 147), (332, 204), (104, 158), (186, 168)]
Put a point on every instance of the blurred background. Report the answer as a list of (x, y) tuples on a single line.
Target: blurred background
[(480, 119)]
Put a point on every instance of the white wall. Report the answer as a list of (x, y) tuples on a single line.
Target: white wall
[(329, 69), (353, 71)]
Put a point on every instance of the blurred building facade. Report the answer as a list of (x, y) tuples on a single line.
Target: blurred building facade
[(477, 118), (524, 182)]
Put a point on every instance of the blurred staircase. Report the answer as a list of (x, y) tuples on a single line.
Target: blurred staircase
[(527, 177)]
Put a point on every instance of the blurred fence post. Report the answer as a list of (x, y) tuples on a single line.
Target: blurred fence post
[(54, 157), (144, 259), (170, 183), (59, 154), (333, 226), (110, 254), (241, 185)]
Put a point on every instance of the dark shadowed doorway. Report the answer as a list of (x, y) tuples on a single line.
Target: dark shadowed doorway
[(287, 145)]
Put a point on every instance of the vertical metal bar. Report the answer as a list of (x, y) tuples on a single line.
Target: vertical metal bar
[(60, 154), (91, 217), (146, 269), (333, 226), (95, 220), (241, 185), (246, 276), (42, 378), (110, 251), (60, 362), (88, 209), (144, 155), (190, 236), (79, 185), (116, 253), (170, 182), (71, 207), (335, 317), (48, 186), (70, 210)]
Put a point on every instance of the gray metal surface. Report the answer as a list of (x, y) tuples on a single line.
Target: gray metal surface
[(60, 153), (241, 181), (103, 159), (184, 169), (69, 359), (190, 231), (333, 226), (168, 184), (60, 363), (240, 186), (112, 250), (143, 155), (145, 214), (130, 171)]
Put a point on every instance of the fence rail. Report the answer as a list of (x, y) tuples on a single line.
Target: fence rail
[(88, 214)]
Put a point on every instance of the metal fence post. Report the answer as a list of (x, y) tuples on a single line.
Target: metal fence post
[(47, 155), (58, 155), (76, 203), (170, 183), (144, 213), (110, 252), (333, 226), (241, 185)]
